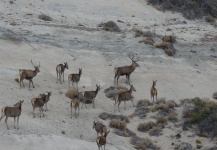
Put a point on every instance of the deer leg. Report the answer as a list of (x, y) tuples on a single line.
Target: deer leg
[(129, 79), (46, 107), (29, 83), (156, 97), (18, 122), (77, 85), (6, 119), (42, 111), (32, 84), (126, 79), (125, 105), (14, 123), (118, 105), (93, 103), (20, 82), (133, 103), (75, 112), (117, 79), (63, 77)]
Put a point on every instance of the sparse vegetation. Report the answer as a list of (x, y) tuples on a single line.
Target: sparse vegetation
[(140, 112), (125, 133), (105, 116), (161, 119), (110, 26), (143, 143), (190, 9), (209, 19), (148, 34), (145, 126), (203, 114), (167, 47), (142, 103), (118, 124), (156, 131), (148, 41)]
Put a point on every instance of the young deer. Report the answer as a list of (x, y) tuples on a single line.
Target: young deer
[(60, 71), (126, 70), (153, 91), (28, 74), (38, 102), (124, 96), (75, 78), (101, 140), (90, 95), (47, 98), (12, 112), (100, 128), (75, 103)]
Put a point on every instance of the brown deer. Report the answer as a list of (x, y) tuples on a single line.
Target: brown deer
[(90, 95), (101, 140), (75, 103), (47, 98), (12, 112), (28, 74), (75, 78), (38, 102), (153, 91), (126, 70), (99, 127), (124, 96), (60, 71)]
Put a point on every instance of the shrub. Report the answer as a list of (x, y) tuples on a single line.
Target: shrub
[(145, 126), (143, 143), (105, 116), (124, 133), (172, 116), (110, 26), (190, 9), (141, 112), (209, 19), (148, 34), (149, 41), (118, 124), (156, 131), (214, 95), (169, 38), (142, 103), (198, 141), (161, 119)]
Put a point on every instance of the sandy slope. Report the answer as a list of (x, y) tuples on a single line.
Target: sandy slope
[(185, 76)]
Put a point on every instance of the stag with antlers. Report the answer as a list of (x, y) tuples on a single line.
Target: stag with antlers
[(60, 71), (126, 70), (28, 74)]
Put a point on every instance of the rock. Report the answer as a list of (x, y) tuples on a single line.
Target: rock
[(178, 136)]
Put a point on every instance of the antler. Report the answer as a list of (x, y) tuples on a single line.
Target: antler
[(32, 63), (131, 56)]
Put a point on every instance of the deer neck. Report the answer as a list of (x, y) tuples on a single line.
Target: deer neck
[(133, 67), (35, 73)]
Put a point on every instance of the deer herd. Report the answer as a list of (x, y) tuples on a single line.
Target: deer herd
[(42, 99)]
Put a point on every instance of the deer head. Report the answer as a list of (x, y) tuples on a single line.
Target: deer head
[(36, 67), (134, 63)]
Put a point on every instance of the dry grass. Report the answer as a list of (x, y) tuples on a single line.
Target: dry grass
[(167, 47), (161, 106), (143, 103), (105, 116), (143, 143), (171, 104), (145, 126), (118, 124), (156, 131), (161, 119), (17, 80), (172, 116), (148, 41), (124, 133), (198, 141), (169, 39)]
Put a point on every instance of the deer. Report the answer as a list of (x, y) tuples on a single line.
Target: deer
[(100, 128), (90, 95), (75, 104), (38, 102), (47, 98), (60, 71), (28, 74), (124, 96), (75, 78), (101, 140), (12, 112), (126, 70), (153, 91)]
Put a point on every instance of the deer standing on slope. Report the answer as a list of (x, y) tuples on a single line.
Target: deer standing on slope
[(12, 112), (28, 74), (90, 95), (153, 91), (126, 70), (75, 78), (101, 140), (60, 71), (124, 96)]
